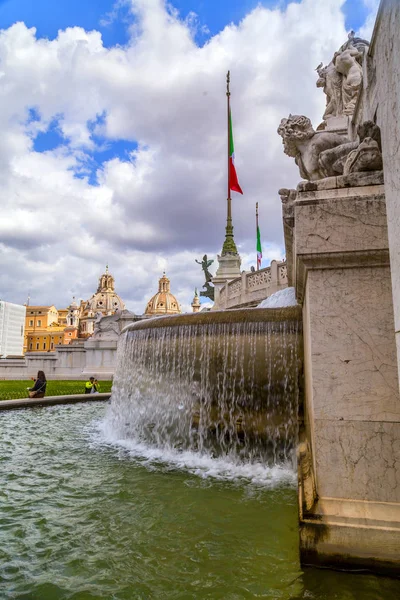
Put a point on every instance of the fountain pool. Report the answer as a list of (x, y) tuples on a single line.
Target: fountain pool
[(84, 518)]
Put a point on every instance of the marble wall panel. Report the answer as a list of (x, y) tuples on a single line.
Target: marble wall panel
[(352, 344), (345, 224), (358, 460)]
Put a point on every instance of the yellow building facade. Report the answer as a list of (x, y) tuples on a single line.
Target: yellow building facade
[(45, 327), (37, 321)]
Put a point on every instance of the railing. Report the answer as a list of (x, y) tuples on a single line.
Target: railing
[(253, 286)]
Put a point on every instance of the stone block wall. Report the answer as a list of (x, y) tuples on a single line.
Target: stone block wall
[(380, 102)]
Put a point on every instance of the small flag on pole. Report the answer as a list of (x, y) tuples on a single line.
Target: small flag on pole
[(259, 249), (233, 180)]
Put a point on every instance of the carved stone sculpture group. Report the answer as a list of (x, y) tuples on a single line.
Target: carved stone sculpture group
[(320, 154), (328, 152), (341, 79)]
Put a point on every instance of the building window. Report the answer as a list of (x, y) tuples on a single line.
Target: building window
[(51, 345), (37, 345), (44, 345), (30, 346), (31, 323), (39, 323), (69, 333)]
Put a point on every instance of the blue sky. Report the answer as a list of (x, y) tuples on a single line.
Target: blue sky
[(48, 16), (113, 19), (112, 143)]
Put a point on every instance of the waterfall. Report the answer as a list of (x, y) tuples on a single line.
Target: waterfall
[(220, 384)]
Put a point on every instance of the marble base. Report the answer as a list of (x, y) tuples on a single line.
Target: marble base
[(349, 463), (228, 269), (352, 535)]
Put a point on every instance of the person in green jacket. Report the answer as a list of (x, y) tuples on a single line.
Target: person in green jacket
[(89, 385)]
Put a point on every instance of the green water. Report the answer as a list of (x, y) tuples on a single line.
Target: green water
[(81, 519)]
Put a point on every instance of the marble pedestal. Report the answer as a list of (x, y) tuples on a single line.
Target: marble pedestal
[(349, 450), (228, 269)]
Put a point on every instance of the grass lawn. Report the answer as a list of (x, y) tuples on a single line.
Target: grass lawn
[(17, 389)]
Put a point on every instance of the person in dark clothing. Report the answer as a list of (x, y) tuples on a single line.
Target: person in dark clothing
[(39, 389)]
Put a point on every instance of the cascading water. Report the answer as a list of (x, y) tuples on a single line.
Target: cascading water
[(221, 384)]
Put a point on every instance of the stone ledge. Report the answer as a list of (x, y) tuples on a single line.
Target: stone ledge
[(361, 512), (351, 534), (52, 400), (349, 547), (342, 181), (236, 315), (373, 192), (336, 260)]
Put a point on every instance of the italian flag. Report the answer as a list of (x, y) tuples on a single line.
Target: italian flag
[(259, 249), (233, 180)]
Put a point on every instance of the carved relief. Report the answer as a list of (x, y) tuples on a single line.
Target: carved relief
[(259, 278), (341, 79), (331, 82), (106, 328), (235, 288), (283, 272), (368, 155)]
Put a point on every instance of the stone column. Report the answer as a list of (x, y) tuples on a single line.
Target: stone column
[(349, 453)]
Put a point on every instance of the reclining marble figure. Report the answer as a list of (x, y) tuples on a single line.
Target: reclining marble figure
[(320, 154)]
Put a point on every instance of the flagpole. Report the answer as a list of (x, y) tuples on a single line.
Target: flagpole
[(229, 246), (228, 94), (258, 268)]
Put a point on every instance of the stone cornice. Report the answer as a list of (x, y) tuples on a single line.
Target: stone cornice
[(336, 260)]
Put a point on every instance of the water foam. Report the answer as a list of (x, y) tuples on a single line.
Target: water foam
[(200, 464)]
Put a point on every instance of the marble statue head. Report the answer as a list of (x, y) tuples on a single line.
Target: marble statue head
[(295, 129)]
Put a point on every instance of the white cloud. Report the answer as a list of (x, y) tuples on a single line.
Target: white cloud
[(163, 205)]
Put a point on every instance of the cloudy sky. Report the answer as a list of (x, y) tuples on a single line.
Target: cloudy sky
[(113, 135)]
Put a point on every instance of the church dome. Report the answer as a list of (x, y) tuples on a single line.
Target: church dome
[(163, 303), (105, 300)]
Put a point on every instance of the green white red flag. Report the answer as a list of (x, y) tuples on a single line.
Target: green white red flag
[(233, 180), (259, 249)]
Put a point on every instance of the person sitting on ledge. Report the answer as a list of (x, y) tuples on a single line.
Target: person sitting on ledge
[(89, 386), (39, 389)]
